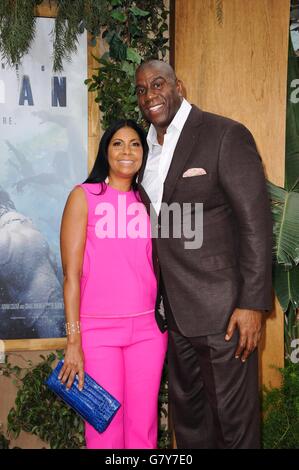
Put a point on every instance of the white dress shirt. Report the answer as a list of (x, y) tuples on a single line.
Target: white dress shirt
[(160, 156)]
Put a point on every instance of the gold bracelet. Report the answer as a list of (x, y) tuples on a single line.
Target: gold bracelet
[(72, 328)]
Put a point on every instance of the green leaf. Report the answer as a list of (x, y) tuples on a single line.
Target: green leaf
[(119, 16), (133, 56), (116, 3), (128, 68), (105, 58), (51, 357), (109, 36), (285, 212), (134, 30), (286, 286), (292, 122), (138, 12), (118, 50), (92, 87)]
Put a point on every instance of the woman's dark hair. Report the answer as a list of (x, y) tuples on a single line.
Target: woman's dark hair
[(100, 169)]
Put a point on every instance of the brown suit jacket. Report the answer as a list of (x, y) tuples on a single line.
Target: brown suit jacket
[(233, 266)]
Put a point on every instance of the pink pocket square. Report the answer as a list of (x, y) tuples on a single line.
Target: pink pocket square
[(194, 172)]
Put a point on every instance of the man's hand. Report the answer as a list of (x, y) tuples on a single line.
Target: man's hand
[(249, 323)]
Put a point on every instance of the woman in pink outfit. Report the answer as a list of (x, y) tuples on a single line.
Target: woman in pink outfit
[(110, 291)]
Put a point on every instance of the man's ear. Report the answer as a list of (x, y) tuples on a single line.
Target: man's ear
[(181, 88)]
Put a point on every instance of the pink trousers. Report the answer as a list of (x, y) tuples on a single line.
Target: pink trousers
[(126, 356)]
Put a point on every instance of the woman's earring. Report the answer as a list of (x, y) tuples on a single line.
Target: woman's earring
[(107, 180)]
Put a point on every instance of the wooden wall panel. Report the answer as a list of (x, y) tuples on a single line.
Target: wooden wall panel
[(235, 64), (93, 107)]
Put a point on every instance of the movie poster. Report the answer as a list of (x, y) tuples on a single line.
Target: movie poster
[(43, 154)]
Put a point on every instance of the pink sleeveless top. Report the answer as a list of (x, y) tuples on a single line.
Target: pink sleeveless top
[(117, 279)]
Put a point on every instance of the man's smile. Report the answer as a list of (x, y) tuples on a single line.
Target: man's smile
[(153, 109)]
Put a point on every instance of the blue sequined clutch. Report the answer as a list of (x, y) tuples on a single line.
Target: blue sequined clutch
[(94, 404)]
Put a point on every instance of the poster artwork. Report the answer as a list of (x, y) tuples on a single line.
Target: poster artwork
[(43, 154)]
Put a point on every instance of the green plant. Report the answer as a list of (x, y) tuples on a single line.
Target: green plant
[(164, 434), (134, 32), (285, 210), (280, 427), (140, 23), (17, 28), (114, 87), (71, 21), (4, 442), (39, 411)]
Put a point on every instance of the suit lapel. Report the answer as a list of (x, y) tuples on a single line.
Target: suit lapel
[(186, 142), (144, 198)]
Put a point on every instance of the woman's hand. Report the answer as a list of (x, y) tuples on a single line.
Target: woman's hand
[(72, 243), (73, 364)]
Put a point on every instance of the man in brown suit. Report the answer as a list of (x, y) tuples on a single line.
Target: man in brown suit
[(213, 297)]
